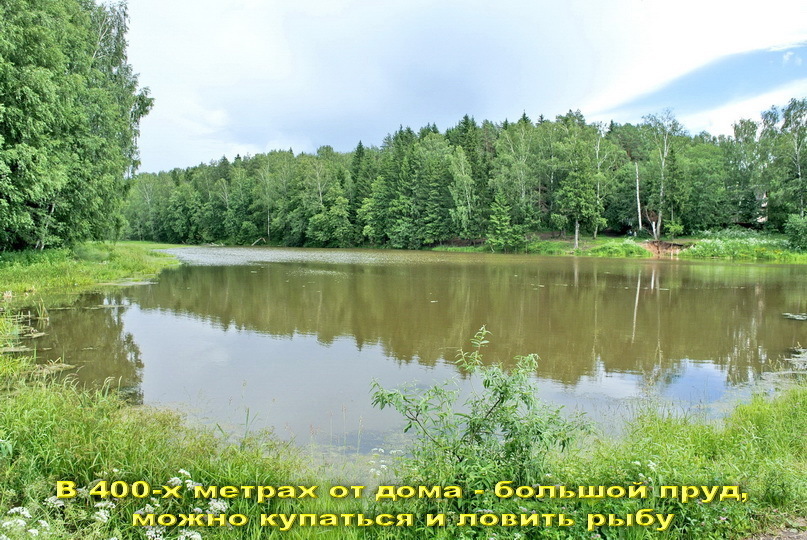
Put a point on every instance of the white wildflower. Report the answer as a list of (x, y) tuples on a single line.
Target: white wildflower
[(43, 524), (102, 516), (174, 481), (184, 473), (21, 510), (216, 506), (54, 502), (105, 504), (155, 533), (33, 532), (14, 523)]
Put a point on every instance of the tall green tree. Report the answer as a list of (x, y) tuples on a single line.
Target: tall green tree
[(69, 115), (661, 132), (786, 129)]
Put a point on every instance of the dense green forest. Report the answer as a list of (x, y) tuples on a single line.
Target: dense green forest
[(499, 182), (69, 114), (70, 108)]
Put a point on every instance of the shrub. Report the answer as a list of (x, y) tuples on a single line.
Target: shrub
[(796, 231), (500, 432)]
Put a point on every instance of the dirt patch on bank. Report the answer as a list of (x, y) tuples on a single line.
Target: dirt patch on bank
[(798, 531), (660, 248)]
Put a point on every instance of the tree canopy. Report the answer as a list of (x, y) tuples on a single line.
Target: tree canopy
[(499, 182), (69, 114)]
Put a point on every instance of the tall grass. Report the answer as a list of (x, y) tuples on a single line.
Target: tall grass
[(60, 270), (626, 248), (53, 432), (744, 249), (743, 245)]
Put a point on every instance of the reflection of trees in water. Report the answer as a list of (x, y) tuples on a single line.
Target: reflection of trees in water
[(94, 339), (577, 314)]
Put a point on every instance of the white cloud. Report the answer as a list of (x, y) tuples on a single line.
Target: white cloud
[(719, 121), (249, 73), (650, 43)]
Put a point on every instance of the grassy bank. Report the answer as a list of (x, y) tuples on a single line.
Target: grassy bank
[(752, 249), (600, 247), (739, 245), (33, 273)]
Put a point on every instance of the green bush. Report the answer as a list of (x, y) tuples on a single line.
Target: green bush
[(796, 231), (501, 431)]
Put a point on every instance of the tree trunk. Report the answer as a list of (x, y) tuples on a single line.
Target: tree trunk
[(638, 201), (576, 233)]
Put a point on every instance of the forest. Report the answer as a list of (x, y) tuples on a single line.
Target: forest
[(493, 183)]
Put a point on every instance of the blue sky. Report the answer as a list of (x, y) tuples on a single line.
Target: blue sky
[(249, 76)]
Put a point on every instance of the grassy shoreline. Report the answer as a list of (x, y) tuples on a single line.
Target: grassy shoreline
[(31, 274), (51, 431), (732, 247)]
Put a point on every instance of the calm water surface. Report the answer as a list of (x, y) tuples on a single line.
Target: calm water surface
[(291, 339)]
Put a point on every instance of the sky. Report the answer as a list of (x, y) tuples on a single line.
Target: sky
[(250, 76)]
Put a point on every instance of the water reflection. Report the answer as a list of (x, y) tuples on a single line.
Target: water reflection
[(296, 335), (91, 335)]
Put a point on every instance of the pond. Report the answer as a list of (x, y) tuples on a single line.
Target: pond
[(290, 339)]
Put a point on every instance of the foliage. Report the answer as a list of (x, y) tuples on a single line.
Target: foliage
[(796, 231), (504, 181), (674, 228), (500, 431), (68, 121), (540, 247), (751, 248), (502, 234)]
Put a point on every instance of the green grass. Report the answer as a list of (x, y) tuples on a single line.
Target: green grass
[(462, 249), (756, 249), (31, 273), (548, 247), (760, 447), (617, 248), (743, 245)]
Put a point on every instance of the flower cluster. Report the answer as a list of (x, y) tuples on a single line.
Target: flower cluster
[(20, 522)]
